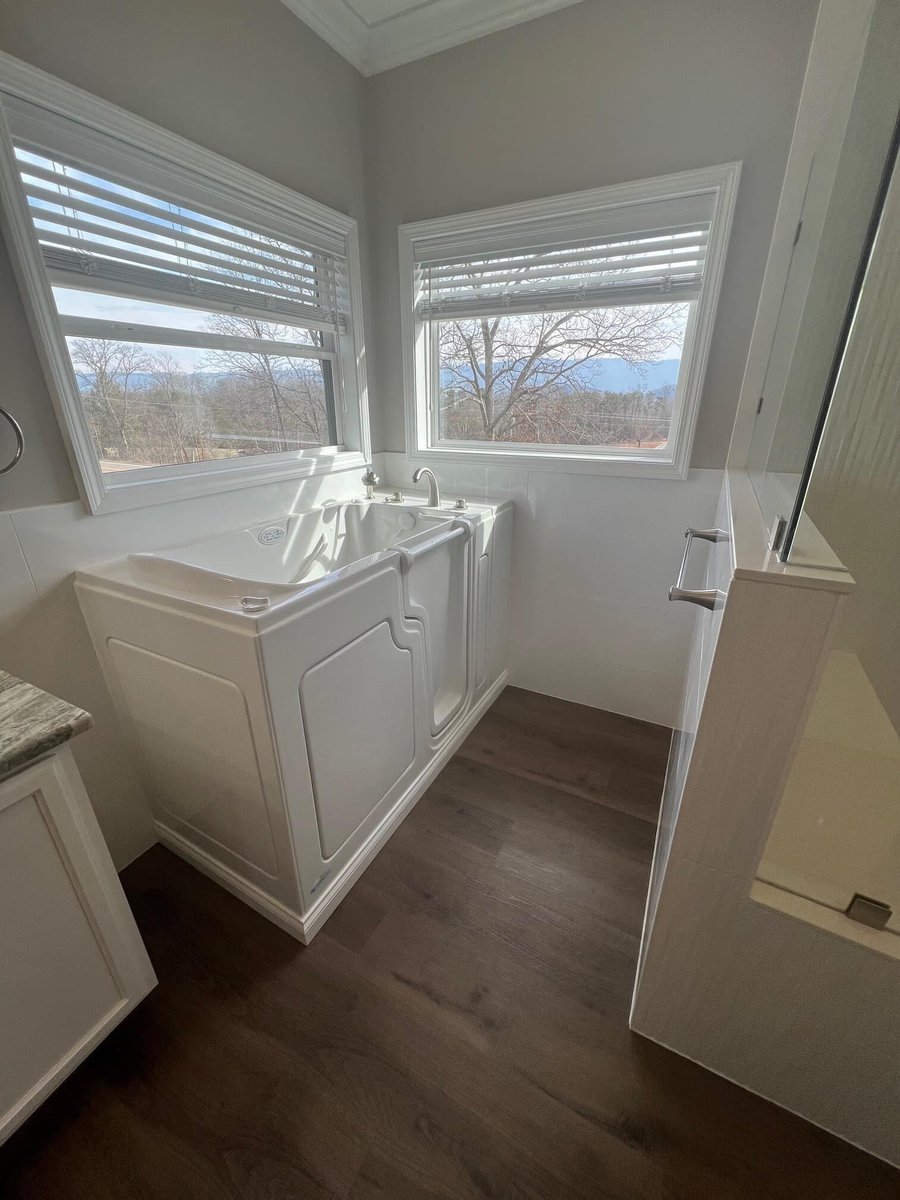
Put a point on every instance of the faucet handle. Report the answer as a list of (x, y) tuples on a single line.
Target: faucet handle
[(371, 481)]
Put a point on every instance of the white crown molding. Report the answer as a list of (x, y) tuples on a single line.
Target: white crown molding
[(338, 25), (420, 31)]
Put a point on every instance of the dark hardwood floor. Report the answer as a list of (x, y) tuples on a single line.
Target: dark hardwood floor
[(458, 1029)]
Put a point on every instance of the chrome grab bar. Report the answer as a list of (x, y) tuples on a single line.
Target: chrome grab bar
[(705, 597), (20, 441), (408, 555)]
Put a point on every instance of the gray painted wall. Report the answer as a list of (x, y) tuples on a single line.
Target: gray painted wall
[(242, 77), (600, 93)]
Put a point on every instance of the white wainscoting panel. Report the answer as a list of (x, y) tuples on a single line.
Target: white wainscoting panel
[(17, 590)]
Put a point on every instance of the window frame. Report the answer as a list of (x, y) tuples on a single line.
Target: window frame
[(558, 217), (246, 190)]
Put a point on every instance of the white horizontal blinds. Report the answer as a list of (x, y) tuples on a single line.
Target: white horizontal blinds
[(100, 232), (657, 265)]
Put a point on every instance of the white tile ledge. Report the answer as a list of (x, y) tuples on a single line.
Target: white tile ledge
[(751, 557)]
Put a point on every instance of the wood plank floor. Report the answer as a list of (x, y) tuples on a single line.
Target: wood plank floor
[(457, 1030)]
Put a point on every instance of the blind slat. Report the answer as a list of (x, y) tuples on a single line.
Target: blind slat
[(617, 247), (93, 257), (125, 244), (682, 292), (188, 220), (531, 278), (661, 265), (107, 217), (69, 268), (99, 232)]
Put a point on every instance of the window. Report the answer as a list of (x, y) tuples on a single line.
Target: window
[(198, 323), (568, 332)]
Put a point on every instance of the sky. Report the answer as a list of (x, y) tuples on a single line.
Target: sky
[(76, 303)]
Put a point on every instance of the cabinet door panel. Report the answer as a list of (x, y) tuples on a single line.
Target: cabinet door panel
[(73, 960), (56, 982)]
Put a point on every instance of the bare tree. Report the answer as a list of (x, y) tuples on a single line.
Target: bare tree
[(179, 425), (287, 391), (521, 373), (106, 371)]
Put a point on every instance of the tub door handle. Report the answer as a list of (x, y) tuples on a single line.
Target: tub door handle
[(704, 597)]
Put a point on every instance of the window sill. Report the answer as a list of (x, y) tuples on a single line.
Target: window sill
[(210, 478), (561, 463)]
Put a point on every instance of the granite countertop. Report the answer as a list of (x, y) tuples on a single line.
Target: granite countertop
[(33, 722)]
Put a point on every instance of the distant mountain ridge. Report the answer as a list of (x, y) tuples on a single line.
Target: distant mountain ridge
[(599, 374), (615, 375)]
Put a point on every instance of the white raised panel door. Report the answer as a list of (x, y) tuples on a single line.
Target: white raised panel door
[(359, 743), (73, 962), (350, 712), (437, 585)]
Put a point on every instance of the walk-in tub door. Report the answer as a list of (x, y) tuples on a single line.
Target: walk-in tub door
[(359, 744), (438, 584), (350, 711)]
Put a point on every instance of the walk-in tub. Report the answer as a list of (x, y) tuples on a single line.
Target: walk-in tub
[(291, 688)]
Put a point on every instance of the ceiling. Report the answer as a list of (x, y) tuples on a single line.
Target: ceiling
[(377, 34)]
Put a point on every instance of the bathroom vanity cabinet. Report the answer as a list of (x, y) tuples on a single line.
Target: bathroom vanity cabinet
[(73, 963)]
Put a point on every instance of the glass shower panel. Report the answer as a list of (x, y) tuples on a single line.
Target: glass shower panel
[(837, 831), (842, 193)]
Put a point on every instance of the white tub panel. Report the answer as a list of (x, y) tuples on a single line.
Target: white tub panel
[(437, 589), (359, 738), (222, 652), (192, 730)]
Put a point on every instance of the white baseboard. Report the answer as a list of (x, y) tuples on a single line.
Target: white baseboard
[(762, 1095), (305, 926), (60, 1070), (277, 912)]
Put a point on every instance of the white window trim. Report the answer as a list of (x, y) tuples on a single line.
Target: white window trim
[(672, 463), (131, 489)]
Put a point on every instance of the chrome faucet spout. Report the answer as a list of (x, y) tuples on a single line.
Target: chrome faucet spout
[(434, 492)]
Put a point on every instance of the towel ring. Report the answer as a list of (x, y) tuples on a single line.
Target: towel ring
[(20, 441)]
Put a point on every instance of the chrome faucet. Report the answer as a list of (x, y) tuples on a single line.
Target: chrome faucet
[(434, 492)]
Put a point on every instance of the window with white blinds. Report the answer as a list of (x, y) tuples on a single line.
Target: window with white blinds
[(198, 320), (574, 329)]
